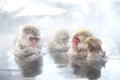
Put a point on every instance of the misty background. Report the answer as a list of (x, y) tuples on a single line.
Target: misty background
[(102, 17)]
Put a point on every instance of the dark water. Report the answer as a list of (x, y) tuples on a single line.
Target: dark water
[(101, 17)]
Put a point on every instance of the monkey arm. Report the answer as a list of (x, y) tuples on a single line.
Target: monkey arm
[(24, 52)]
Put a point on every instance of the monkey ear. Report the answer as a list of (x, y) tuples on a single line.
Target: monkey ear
[(104, 52), (100, 42)]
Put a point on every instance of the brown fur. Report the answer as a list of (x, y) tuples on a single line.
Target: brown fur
[(96, 58), (78, 55), (94, 44), (83, 32)]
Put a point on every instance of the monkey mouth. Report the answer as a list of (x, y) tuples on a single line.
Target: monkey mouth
[(33, 41)]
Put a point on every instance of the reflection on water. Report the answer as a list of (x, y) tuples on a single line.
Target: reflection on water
[(9, 69), (60, 58)]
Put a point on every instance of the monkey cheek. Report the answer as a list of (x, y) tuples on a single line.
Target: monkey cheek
[(74, 44)]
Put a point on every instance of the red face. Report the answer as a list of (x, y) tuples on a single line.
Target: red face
[(75, 41), (33, 41)]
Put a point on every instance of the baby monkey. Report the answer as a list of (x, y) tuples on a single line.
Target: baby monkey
[(96, 58)]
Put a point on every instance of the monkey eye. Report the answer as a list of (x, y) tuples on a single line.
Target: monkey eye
[(76, 39)]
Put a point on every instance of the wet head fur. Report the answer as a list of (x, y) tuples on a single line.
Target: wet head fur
[(29, 30), (94, 44), (83, 32), (96, 56), (60, 35)]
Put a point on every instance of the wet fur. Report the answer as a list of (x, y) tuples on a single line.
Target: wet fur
[(28, 60), (56, 43), (22, 39), (58, 47), (77, 56), (96, 57)]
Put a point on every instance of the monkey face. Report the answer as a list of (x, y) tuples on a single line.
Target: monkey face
[(31, 35), (79, 37), (75, 41)]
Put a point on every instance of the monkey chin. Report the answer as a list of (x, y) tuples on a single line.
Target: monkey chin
[(29, 64)]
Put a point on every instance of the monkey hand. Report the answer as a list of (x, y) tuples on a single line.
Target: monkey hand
[(23, 53), (37, 51)]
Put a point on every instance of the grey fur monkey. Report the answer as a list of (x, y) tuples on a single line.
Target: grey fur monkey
[(59, 41), (27, 52)]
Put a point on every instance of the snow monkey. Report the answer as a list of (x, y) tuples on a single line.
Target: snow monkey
[(77, 53), (58, 46), (59, 41), (96, 58), (27, 52)]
